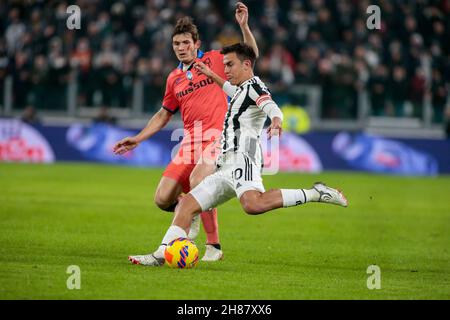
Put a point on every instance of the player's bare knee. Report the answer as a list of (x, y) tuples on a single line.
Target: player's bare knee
[(164, 202), (251, 205), (252, 209)]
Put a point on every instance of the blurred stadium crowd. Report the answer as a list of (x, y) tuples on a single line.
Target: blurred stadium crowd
[(320, 42)]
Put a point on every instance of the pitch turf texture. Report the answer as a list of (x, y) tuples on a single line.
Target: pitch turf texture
[(94, 216)]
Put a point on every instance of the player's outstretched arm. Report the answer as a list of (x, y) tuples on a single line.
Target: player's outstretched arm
[(225, 85), (242, 19), (156, 123)]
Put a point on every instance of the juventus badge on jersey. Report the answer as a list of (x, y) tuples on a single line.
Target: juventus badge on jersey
[(189, 75)]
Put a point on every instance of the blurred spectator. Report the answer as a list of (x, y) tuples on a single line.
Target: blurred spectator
[(14, 31), (103, 116), (438, 96), (155, 81), (281, 66), (344, 88), (21, 78), (29, 115), (325, 26), (447, 122), (58, 75), (107, 65), (39, 81), (377, 90), (4, 65), (81, 59), (417, 92), (228, 36), (397, 91)]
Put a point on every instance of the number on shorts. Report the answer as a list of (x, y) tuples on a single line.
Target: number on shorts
[(238, 173)]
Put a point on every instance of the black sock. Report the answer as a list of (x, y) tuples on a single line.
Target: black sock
[(215, 245)]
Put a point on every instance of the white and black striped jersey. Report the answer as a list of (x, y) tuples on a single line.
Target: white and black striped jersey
[(245, 118)]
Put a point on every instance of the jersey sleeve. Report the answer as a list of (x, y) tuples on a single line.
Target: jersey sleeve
[(170, 103), (229, 89), (260, 94)]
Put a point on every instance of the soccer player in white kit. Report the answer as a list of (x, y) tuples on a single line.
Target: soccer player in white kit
[(240, 164)]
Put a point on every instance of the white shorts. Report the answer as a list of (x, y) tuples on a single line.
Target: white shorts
[(237, 175)]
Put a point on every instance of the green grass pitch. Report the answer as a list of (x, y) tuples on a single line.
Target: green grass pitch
[(94, 216)]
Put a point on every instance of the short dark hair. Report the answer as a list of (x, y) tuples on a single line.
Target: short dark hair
[(186, 25), (242, 50)]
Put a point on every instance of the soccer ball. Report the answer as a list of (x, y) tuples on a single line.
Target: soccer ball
[(181, 253)]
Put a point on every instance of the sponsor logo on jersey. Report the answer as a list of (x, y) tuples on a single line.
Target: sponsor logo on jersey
[(193, 87), (177, 80)]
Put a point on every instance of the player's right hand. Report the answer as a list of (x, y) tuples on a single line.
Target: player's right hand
[(125, 145), (203, 68), (241, 14), (275, 128)]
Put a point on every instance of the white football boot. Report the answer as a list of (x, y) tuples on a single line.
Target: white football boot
[(330, 195), (147, 260), (195, 228), (212, 254)]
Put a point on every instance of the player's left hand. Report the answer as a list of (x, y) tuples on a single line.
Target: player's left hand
[(275, 128), (125, 145), (241, 14)]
